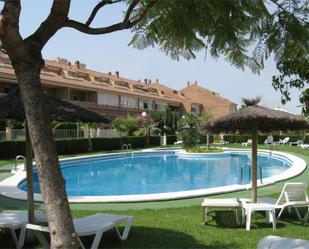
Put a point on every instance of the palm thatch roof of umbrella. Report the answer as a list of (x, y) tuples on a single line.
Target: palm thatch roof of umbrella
[(253, 119), (11, 107), (265, 119)]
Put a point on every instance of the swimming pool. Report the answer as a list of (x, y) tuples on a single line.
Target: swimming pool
[(161, 172)]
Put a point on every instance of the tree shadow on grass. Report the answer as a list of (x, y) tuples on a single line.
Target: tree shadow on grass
[(139, 237), (149, 237)]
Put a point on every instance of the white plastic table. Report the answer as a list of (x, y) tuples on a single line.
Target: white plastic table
[(253, 207)]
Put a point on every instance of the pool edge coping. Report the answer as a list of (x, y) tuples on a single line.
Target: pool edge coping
[(9, 186)]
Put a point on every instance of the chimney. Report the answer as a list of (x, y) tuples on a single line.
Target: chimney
[(77, 64), (195, 83), (157, 81), (117, 74), (145, 81), (109, 73), (188, 83), (139, 81), (149, 81)]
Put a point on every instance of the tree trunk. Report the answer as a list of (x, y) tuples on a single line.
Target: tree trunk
[(29, 162), (51, 180)]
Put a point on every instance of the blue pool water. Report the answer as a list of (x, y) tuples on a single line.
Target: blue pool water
[(146, 173)]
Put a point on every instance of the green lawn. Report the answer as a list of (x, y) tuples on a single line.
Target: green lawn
[(178, 224)]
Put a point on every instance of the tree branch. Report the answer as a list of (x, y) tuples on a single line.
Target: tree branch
[(278, 5), (129, 11), (10, 37), (125, 24), (96, 9), (55, 20)]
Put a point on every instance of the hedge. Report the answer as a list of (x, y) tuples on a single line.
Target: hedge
[(170, 139), (10, 149), (72, 146)]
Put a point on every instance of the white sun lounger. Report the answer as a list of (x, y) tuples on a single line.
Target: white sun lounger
[(15, 220), (91, 225), (293, 195), (178, 142), (276, 242)]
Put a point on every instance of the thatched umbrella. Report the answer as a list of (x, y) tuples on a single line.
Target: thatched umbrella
[(11, 107), (253, 119)]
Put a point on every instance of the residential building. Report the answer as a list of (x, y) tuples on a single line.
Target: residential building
[(112, 95), (208, 101)]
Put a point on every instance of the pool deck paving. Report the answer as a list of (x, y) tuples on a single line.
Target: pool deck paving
[(269, 191)]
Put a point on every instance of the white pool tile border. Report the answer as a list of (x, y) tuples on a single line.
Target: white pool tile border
[(8, 187)]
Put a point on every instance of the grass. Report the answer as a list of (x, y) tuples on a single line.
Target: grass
[(178, 224)]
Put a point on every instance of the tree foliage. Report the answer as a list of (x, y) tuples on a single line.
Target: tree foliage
[(189, 130), (126, 124), (245, 32), (288, 38)]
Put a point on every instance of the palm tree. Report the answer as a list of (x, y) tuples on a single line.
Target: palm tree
[(148, 127), (204, 119)]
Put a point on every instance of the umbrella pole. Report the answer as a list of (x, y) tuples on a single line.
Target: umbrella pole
[(30, 198), (254, 164)]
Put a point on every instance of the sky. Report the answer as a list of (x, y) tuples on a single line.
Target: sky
[(111, 52)]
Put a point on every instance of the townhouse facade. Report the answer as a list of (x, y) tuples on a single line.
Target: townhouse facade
[(112, 95)]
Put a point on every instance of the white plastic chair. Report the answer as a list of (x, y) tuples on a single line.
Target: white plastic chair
[(15, 220), (276, 242), (90, 225), (293, 195), (249, 142)]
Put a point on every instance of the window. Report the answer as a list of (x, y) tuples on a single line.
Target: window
[(160, 106), (129, 102), (145, 104), (108, 99), (195, 109)]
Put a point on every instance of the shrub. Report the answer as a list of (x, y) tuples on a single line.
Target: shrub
[(136, 142), (203, 150), (72, 146), (170, 139), (203, 139), (99, 144), (10, 149)]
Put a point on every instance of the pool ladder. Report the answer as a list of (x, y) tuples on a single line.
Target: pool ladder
[(249, 166), (127, 147), (18, 158)]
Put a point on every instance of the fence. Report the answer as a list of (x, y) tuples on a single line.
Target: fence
[(19, 134)]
